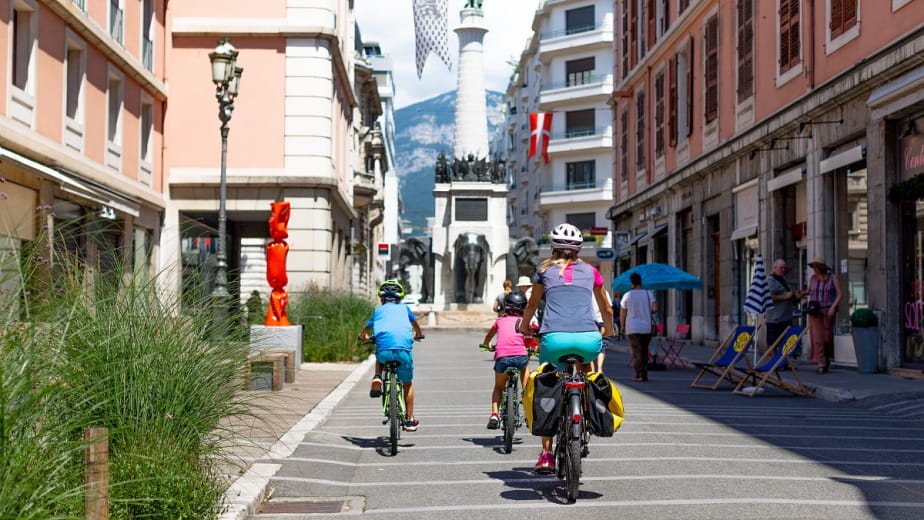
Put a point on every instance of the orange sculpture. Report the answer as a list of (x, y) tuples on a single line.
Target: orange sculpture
[(276, 252)]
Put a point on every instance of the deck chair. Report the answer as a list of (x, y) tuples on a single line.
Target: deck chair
[(673, 349), (767, 369), (724, 361)]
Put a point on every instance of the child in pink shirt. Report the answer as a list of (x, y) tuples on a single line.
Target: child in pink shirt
[(509, 352)]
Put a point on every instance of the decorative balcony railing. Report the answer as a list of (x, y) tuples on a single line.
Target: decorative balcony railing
[(583, 132), (116, 21), (571, 30), (575, 80), (569, 186)]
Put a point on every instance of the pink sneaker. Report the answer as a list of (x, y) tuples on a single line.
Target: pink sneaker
[(546, 463), (493, 421)]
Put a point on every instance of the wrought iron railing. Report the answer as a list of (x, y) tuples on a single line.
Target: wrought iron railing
[(583, 132), (575, 79), (569, 186), (571, 30)]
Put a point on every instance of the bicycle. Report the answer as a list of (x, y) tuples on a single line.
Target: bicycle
[(509, 410), (571, 441), (393, 406)]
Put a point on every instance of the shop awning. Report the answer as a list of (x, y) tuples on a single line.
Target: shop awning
[(785, 179), (636, 239), (744, 232), (659, 231), (845, 158)]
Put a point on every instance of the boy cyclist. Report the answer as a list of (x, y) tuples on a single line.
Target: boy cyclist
[(510, 351), (395, 329)]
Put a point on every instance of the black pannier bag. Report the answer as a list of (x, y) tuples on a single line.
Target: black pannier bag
[(542, 400), (604, 410)]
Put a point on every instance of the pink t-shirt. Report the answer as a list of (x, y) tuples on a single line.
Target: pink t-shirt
[(509, 341)]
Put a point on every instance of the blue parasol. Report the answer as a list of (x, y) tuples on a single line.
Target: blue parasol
[(656, 277)]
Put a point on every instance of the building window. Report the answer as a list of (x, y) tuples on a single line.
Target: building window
[(624, 143), (580, 175), (672, 98), (116, 20), (642, 28), (690, 62), (843, 16), (74, 77), (745, 49), (147, 34), (114, 122), (640, 130), (711, 69), (659, 114), (579, 123), (582, 221), (579, 72), (579, 20), (664, 16), (147, 140), (790, 34), (625, 41), (651, 20), (634, 52), (683, 6), (25, 17)]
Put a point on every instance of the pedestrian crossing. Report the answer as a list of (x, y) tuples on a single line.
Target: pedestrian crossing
[(911, 407)]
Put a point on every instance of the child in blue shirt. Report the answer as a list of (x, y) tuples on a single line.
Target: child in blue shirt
[(395, 329)]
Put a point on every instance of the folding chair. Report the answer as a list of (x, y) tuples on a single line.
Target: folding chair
[(673, 349), (768, 367), (723, 362)]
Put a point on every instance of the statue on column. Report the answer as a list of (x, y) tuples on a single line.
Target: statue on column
[(443, 171), (474, 4), (276, 252)]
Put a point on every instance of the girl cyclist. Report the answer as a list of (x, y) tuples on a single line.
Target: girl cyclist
[(568, 325), (510, 351)]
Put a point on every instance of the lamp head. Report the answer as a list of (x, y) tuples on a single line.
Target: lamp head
[(235, 83), (223, 58)]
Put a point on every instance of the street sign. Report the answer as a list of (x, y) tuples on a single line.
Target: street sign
[(599, 231), (384, 249), (606, 254)]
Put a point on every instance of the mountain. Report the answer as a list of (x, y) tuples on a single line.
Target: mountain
[(422, 131)]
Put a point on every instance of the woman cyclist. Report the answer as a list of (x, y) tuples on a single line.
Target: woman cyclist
[(568, 325)]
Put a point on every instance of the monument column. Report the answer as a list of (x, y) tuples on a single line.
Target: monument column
[(471, 130)]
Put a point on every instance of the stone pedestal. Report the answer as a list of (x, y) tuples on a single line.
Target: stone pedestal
[(263, 338)]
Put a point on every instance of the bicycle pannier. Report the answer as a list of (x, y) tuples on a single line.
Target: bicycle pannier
[(542, 401), (604, 412)]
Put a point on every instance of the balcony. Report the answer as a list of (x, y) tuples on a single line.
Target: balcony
[(364, 189), (581, 140), (116, 22), (82, 4), (566, 194), (578, 39), (583, 89)]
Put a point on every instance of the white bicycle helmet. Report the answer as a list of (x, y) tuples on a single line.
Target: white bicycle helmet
[(566, 236)]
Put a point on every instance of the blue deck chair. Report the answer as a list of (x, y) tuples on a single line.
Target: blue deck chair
[(724, 361), (768, 367)]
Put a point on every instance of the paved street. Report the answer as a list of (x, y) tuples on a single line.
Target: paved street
[(681, 453)]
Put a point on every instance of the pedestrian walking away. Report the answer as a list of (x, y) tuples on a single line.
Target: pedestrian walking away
[(635, 319)]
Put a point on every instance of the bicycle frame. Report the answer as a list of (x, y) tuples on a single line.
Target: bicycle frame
[(572, 438)]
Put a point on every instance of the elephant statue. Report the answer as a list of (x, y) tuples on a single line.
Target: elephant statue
[(470, 263), (525, 252), (414, 251)]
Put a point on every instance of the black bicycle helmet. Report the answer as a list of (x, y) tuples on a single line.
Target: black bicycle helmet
[(391, 290), (514, 303)]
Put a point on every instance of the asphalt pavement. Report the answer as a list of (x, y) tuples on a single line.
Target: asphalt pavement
[(681, 453)]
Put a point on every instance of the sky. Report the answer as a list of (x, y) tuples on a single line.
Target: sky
[(391, 23)]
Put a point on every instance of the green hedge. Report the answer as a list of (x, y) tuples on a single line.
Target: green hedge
[(332, 321)]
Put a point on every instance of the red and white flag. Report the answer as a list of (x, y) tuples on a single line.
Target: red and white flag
[(540, 130)]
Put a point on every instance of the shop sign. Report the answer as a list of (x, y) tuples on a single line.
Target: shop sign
[(598, 231), (911, 160), (606, 254), (384, 249)]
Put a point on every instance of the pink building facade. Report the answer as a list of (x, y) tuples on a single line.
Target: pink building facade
[(82, 97), (778, 127)]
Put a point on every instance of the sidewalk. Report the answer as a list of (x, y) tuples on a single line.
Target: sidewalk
[(839, 384)]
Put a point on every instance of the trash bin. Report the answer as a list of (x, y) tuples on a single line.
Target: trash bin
[(866, 345)]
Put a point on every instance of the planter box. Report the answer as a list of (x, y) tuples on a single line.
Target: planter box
[(866, 344)]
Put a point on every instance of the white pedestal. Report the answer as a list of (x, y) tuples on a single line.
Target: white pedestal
[(277, 338)]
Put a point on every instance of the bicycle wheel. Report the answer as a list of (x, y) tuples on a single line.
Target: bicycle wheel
[(573, 468), (510, 413), (394, 411)]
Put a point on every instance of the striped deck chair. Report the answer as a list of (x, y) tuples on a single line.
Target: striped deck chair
[(724, 361), (768, 367)]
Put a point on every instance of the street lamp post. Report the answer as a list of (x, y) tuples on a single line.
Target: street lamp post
[(227, 77)]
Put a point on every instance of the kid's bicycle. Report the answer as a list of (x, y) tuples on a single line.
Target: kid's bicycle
[(509, 410), (393, 404)]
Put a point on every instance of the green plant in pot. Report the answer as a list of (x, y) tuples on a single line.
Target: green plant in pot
[(865, 331)]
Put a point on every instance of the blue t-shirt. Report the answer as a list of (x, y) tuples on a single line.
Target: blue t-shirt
[(391, 323)]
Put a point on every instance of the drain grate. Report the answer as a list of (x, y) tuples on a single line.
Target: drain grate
[(302, 506)]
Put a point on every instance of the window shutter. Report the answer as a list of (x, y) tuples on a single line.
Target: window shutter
[(745, 49), (640, 131), (672, 100), (712, 69), (784, 35), (666, 19), (837, 18), (691, 66), (659, 115), (850, 13), (633, 31), (683, 5), (624, 134), (651, 16), (625, 42), (795, 33)]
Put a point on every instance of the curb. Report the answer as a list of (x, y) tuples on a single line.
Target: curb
[(248, 491)]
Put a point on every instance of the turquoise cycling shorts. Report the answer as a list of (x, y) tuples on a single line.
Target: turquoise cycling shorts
[(554, 345), (405, 370)]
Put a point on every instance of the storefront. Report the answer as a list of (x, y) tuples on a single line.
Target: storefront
[(908, 193)]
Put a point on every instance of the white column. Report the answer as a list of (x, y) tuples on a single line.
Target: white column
[(471, 130)]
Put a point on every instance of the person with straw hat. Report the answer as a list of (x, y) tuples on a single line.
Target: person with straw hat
[(824, 295)]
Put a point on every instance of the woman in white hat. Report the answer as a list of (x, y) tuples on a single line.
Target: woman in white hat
[(824, 294)]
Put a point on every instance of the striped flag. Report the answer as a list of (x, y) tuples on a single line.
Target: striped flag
[(431, 27), (758, 300)]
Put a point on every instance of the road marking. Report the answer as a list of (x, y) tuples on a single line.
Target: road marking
[(834, 479)]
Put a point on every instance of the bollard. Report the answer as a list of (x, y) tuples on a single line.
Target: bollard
[(96, 473)]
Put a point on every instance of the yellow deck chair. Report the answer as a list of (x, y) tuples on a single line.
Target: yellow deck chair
[(767, 369)]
